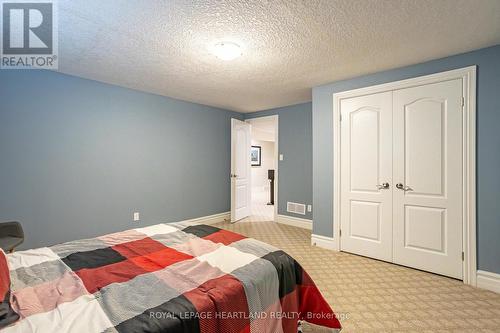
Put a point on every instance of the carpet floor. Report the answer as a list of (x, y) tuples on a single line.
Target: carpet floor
[(374, 296)]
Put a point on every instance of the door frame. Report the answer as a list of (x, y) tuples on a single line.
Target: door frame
[(276, 158), (468, 76)]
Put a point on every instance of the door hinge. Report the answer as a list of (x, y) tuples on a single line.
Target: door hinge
[(463, 101), (341, 117), (463, 256), (340, 232)]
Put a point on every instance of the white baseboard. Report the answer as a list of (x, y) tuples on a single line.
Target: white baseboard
[(488, 280), (294, 221), (324, 242), (210, 219)]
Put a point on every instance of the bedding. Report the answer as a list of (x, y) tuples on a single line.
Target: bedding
[(164, 278)]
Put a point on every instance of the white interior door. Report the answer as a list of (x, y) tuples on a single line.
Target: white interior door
[(428, 169), (240, 170), (366, 166)]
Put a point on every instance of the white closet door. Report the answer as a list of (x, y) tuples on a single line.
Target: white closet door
[(366, 162), (428, 167)]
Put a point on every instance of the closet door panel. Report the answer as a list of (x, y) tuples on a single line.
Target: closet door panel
[(366, 165), (428, 168)]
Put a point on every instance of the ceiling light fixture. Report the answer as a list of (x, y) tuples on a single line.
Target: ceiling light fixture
[(226, 50)]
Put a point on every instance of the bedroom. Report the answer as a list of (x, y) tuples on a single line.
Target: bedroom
[(125, 158)]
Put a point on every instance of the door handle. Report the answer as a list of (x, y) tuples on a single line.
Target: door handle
[(383, 186), (402, 187), (233, 176)]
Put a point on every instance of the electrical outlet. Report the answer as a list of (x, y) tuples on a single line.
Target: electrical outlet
[(136, 216), (281, 157), (309, 208)]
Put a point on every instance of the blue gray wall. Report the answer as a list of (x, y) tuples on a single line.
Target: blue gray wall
[(488, 144), (77, 157), (295, 143)]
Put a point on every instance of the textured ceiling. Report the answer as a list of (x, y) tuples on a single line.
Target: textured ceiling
[(288, 46)]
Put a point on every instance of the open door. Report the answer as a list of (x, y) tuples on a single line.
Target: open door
[(240, 170)]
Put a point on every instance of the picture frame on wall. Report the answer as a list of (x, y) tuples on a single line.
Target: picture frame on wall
[(255, 158)]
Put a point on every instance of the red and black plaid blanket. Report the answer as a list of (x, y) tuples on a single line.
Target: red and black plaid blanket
[(163, 278)]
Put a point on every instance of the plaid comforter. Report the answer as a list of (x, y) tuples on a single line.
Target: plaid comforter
[(163, 278)]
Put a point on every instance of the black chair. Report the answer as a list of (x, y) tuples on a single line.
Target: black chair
[(11, 235)]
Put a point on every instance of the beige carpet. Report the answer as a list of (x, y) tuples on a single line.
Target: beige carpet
[(374, 296)]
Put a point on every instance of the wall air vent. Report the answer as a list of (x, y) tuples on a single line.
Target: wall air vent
[(296, 208)]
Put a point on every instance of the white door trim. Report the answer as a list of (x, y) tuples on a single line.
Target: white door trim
[(276, 157), (468, 75)]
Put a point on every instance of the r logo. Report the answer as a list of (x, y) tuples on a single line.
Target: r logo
[(27, 28)]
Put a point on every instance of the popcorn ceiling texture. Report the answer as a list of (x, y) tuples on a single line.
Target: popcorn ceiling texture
[(289, 46)]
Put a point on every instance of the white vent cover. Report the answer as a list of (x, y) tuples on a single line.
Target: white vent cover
[(296, 208)]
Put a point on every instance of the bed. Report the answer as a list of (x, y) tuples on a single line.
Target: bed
[(163, 278)]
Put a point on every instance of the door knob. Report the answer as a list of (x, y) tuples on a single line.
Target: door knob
[(383, 186), (400, 186)]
